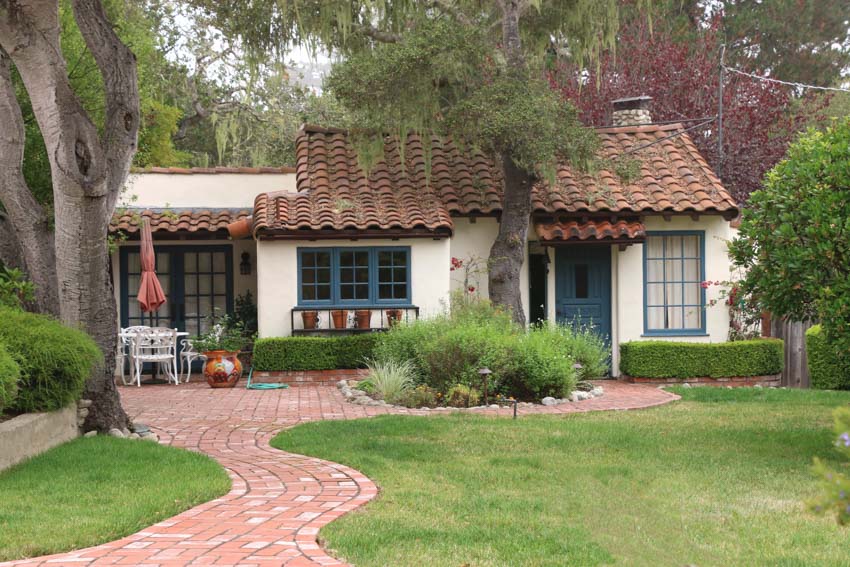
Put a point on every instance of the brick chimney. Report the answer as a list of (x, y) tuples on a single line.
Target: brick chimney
[(631, 111)]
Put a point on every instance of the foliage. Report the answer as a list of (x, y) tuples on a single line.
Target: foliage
[(835, 484), (106, 488), (390, 379), (792, 242), (224, 333), (462, 396), (542, 367), (680, 74), (156, 144), (827, 369), (313, 353), (668, 359), (15, 289), (744, 312), (421, 396), (10, 372), (55, 361), (728, 467), (451, 349), (245, 312)]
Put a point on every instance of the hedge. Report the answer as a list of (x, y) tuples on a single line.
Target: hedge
[(662, 359), (10, 372), (826, 370), (55, 360), (313, 353)]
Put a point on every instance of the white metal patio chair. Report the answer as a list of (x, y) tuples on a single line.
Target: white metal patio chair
[(188, 355), (157, 346), (125, 350)]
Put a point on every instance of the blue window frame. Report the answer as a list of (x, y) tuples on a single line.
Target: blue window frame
[(673, 272), (354, 276)]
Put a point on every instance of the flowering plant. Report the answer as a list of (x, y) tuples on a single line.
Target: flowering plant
[(835, 486), (744, 312), (224, 334)]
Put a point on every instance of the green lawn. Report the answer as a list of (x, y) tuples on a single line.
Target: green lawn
[(95, 490), (720, 478)]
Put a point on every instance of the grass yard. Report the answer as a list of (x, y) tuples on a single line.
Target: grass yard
[(720, 478), (94, 490)]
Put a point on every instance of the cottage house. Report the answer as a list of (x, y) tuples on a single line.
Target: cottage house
[(624, 252)]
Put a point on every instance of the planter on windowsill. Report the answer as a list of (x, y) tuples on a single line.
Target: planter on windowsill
[(394, 316), (222, 369), (340, 318), (310, 319), (363, 318)]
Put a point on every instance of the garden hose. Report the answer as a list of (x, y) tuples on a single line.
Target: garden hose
[(263, 386)]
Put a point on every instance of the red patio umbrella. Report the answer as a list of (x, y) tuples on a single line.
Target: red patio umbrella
[(150, 295)]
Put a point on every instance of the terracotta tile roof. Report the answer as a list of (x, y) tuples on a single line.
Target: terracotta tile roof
[(191, 220), (558, 231), (210, 170), (673, 177), (335, 194)]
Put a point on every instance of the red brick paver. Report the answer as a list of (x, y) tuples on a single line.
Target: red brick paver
[(279, 500)]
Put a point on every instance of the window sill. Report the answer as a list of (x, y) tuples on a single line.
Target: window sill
[(325, 307), (674, 335)]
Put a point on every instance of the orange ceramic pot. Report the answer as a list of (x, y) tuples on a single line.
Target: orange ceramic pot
[(340, 318), (363, 318), (222, 369)]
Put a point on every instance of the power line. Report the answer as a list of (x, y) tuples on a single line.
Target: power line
[(789, 83)]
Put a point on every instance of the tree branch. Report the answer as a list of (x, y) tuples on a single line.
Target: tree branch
[(117, 64), (26, 219), (450, 8), (376, 34)]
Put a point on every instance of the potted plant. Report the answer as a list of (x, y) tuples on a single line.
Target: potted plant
[(340, 318), (221, 345), (363, 318), (393, 316), (310, 319)]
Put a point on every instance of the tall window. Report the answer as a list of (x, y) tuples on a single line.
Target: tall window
[(674, 300), (354, 276)]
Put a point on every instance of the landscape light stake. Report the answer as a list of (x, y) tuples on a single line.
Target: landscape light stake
[(485, 379)]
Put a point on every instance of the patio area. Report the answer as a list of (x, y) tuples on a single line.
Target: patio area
[(279, 500)]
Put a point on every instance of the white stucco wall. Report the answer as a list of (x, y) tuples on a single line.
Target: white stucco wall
[(277, 277), (208, 190), (627, 282), (474, 240)]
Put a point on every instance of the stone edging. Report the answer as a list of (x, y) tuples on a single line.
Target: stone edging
[(30, 434), (361, 398)]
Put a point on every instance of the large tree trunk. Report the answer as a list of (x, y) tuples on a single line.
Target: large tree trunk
[(509, 248), (88, 172), (508, 252), (26, 218)]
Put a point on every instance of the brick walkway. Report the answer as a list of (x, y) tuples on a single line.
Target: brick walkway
[(278, 500)]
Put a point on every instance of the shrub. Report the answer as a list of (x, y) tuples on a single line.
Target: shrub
[(462, 396), (543, 366), (55, 360), (390, 379), (313, 353), (827, 369), (585, 347), (834, 497), (10, 372), (663, 359), (421, 396)]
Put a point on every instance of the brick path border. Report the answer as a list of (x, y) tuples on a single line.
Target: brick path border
[(279, 500)]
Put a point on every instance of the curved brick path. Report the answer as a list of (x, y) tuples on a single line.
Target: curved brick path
[(278, 500)]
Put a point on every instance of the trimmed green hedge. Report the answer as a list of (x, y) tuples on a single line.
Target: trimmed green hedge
[(826, 370), (55, 360), (663, 359), (313, 353), (10, 372)]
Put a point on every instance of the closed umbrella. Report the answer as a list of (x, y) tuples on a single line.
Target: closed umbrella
[(150, 295)]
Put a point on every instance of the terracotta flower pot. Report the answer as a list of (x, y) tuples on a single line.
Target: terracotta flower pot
[(310, 319), (394, 316), (340, 318), (222, 369), (363, 318)]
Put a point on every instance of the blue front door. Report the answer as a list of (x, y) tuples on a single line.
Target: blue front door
[(583, 287)]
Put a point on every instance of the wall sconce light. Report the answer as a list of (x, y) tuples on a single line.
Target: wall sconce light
[(245, 264)]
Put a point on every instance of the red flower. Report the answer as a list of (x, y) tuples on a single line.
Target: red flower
[(705, 284), (471, 289), (457, 264)]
